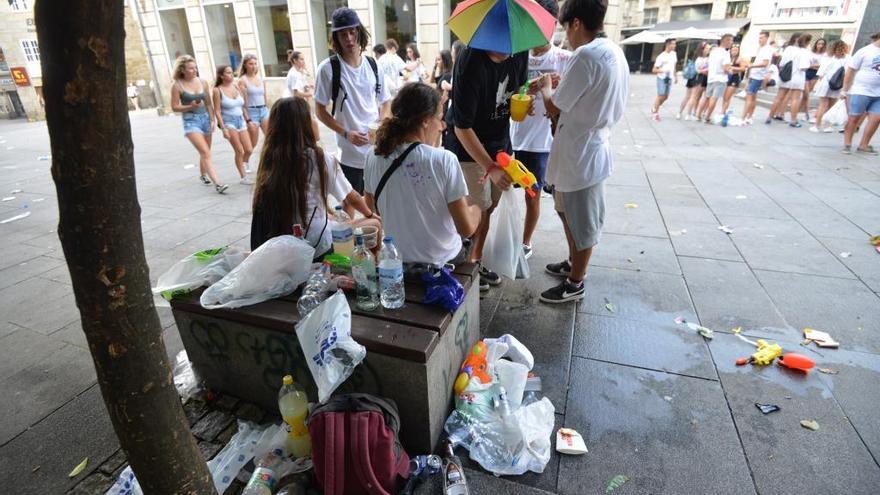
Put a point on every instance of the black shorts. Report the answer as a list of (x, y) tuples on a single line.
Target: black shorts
[(812, 74), (355, 177)]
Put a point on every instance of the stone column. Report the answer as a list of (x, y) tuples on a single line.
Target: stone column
[(199, 33), (429, 30), (302, 31)]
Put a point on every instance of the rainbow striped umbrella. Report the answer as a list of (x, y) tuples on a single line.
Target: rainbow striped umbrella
[(505, 26)]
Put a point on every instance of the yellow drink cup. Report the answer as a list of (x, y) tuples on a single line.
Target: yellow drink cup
[(519, 106)]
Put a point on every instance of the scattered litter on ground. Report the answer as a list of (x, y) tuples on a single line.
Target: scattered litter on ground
[(10, 148), (15, 191), (35, 469), (639, 146), (678, 232), (16, 217), (742, 196), (737, 330), (829, 371), (705, 332), (810, 424), (679, 320), (874, 240), (609, 305), (667, 398), (630, 260), (569, 441), (767, 408), (189, 166), (630, 205), (44, 158), (616, 482), (845, 254), (79, 468), (8, 198), (799, 173), (758, 166), (797, 362), (822, 339), (39, 200), (724, 228), (766, 353), (743, 361)]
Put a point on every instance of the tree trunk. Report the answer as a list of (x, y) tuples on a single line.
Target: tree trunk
[(83, 59)]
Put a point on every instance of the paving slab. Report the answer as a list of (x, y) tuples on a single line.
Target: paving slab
[(728, 295), (631, 252), (784, 456), (26, 269), (846, 309), (667, 433), (863, 259), (81, 428), (702, 240), (642, 296), (643, 344), (644, 220)]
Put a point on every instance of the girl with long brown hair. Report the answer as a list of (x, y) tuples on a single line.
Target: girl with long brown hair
[(294, 179)]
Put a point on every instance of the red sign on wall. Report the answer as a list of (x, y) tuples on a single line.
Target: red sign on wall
[(20, 76)]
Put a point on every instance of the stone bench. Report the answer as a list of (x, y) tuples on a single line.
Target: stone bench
[(413, 353)]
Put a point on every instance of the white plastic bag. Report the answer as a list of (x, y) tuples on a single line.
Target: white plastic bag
[(836, 115), (274, 269), (126, 484), (224, 467), (325, 337), (196, 270), (502, 252), (186, 380)]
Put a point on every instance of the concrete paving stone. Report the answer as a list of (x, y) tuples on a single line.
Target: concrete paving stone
[(546, 330), (782, 246), (656, 428), (863, 261), (846, 309), (871, 185), (676, 217), (651, 345), (728, 295), (644, 220), (785, 457), (644, 296), (195, 410), (628, 173), (209, 449), (176, 234), (212, 424), (14, 254), (822, 178), (29, 297), (27, 269), (823, 221), (95, 484), (702, 240), (7, 329), (481, 482), (220, 236), (648, 254), (72, 334), (116, 461), (79, 429), (40, 388), (858, 205), (51, 318), (661, 166), (22, 348)]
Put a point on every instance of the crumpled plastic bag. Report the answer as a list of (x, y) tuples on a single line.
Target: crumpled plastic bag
[(186, 380), (836, 115), (502, 251), (198, 269), (224, 467), (125, 484), (443, 289), (330, 352), (274, 269), (501, 434)]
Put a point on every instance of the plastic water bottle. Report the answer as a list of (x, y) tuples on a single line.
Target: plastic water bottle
[(391, 275), (363, 268), (265, 476), (315, 291), (532, 391), (343, 242), (725, 119), (294, 406)]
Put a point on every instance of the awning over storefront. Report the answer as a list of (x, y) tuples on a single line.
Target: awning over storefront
[(715, 26)]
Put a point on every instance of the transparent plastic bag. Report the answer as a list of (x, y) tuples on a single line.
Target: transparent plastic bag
[(502, 252), (274, 269), (837, 114), (186, 380), (224, 467), (325, 337), (196, 270)]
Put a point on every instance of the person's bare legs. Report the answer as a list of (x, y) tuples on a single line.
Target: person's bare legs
[(202, 144), (870, 129), (805, 98), (533, 213), (851, 124), (710, 107), (578, 259), (246, 145), (704, 104), (751, 102), (479, 239), (796, 97), (695, 100), (254, 133), (658, 102), (235, 142), (569, 239), (728, 94), (688, 94), (824, 104), (778, 102)]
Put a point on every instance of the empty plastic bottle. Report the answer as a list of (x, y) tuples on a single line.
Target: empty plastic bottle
[(391, 275), (363, 269), (315, 290), (341, 229), (532, 391), (725, 119), (265, 475)]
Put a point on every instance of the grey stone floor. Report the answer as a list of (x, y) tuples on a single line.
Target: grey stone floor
[(654, 401)]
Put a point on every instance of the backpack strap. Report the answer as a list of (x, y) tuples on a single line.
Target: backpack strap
[(375, 67), (360, 431), (336, 81), (394, 166), (334, 453)]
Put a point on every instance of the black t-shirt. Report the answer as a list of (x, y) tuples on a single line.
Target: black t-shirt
[(481, 100)]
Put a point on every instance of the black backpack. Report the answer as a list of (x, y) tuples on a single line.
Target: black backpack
[(335, 65), (785, 71), (835, 82)]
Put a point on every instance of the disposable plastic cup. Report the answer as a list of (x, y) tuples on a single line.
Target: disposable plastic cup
[(370, 236), (371, 132), (519, 106)]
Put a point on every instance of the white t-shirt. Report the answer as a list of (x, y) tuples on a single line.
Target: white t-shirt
[(592, 97), (718, 58), (338, 187), (390, 66), (829, 67), (800, 58), (866, 62), (414, 204), (415, 75), (764, 54), (357, 105), (534, 133), (666, 63), (296, 80)]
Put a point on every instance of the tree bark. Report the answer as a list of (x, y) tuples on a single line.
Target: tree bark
[(83, 60)]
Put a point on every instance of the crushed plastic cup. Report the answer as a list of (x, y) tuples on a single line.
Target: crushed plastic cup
[(370, 236), (519, 106)]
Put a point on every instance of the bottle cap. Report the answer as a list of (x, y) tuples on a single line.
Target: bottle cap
[(338, 207), (287, 380), (387, 238)]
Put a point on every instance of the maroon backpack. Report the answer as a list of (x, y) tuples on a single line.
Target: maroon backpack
[(355, 448)]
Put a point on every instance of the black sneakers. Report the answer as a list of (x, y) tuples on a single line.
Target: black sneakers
[(562, 293), (561, 269)]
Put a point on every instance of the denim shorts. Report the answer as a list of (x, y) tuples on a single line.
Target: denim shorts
[(196, 122), (536, 162), (754, 86), (257, 114), (859, 104), (234, 122), (664, 84)]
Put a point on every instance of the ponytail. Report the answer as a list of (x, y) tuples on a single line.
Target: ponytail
[(414, 103)]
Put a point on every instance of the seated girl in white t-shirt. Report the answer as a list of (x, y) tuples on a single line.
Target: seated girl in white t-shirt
[(294, 179), (423, 202)]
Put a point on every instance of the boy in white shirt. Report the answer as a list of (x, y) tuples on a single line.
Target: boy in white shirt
[(719, 69), (590, 99), (664, 67), (757, 70)]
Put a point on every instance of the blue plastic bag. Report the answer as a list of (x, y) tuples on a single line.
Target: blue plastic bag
[(442, 289)]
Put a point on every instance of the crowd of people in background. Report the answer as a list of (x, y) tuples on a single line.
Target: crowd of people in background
[(800, 68)]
